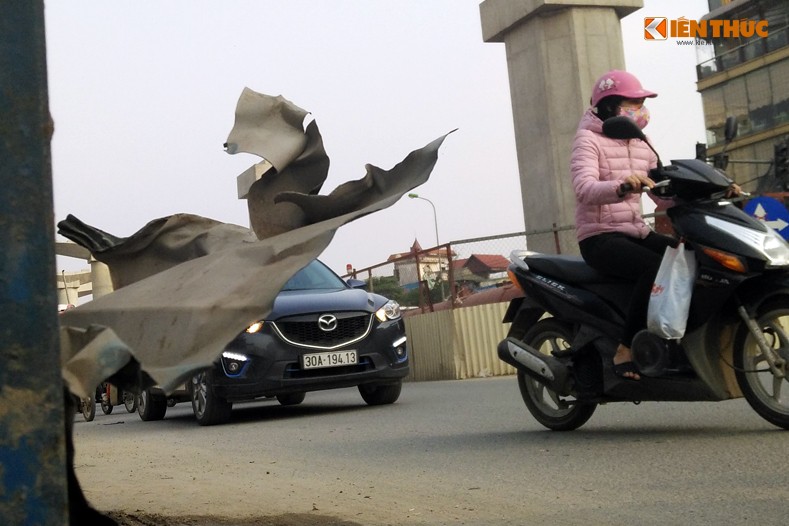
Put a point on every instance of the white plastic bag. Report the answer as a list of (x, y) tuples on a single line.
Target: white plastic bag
[(669, 303)]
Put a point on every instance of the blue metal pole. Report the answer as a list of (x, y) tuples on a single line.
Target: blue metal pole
[(33, 488)]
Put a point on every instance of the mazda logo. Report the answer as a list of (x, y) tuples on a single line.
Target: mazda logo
[(327, 322)]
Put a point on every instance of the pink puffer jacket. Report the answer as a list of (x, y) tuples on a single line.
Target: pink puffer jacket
[(598, 164)]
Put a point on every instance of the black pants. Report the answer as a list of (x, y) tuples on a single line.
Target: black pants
[(633, 259)]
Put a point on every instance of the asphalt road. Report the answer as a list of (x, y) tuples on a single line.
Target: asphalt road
[(455, 452)]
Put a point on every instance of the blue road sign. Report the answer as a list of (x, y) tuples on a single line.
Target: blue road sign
[(771, 212)]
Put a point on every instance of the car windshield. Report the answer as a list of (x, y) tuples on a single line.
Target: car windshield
[(314, 276)]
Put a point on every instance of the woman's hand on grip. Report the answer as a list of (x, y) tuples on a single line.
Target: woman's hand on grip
[(634, 183)]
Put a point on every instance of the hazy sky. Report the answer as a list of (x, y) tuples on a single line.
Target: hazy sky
[(143, 95)]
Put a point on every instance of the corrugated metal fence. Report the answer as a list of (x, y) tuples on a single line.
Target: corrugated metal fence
[(448, 340), (457, 343)]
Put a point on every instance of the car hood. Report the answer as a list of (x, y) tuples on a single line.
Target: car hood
[(293, 302)]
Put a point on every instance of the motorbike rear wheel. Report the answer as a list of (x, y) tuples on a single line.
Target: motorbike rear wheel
[(767, 394), (559, 413)]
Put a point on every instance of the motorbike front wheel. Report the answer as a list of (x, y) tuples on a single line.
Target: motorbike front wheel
[(88, 408), (129, 401), (104, 397), (766, 393), (559, 413)]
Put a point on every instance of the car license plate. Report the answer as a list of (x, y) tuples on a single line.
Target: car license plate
[(329, 359)]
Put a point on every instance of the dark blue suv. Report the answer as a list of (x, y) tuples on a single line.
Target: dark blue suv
[(322, 333)]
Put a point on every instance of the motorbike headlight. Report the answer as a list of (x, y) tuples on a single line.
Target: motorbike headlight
[(390, 311), (769, 242), (776, 249)]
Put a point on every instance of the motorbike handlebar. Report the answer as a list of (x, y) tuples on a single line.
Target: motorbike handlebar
[(625, 188)]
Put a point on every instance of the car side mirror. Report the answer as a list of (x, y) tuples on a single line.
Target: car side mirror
[(356, 283)]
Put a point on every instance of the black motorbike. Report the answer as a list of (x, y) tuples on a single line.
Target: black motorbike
[(564, 331)]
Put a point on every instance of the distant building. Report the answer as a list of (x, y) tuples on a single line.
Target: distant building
[(746, 76), (480, 270), (433, 265)]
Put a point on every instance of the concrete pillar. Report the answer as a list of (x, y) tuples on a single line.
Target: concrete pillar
[(99, 282), (68, 290), (100, 277), (555, 51), (74, 285)]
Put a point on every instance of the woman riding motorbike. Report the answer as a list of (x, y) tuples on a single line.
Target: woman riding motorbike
[(612, 234)]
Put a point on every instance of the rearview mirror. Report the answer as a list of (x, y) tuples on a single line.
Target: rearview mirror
[(622, 128), (625, 128)]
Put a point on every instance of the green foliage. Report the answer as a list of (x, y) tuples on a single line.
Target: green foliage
[(411, 298), (389, 287)]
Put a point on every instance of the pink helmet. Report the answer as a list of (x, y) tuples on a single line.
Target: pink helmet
[(621, 83)]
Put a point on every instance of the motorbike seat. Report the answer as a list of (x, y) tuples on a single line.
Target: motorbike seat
[(568, 269)]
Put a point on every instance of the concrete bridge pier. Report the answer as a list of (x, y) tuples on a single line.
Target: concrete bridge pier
[(555, 51)]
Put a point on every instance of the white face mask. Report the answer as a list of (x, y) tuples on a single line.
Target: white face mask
[(640, 116)]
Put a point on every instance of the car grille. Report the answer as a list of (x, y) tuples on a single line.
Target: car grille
[(304, 331)]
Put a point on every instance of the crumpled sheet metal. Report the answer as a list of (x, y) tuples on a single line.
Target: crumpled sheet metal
[(188, 285), (269, 127), (157, 246), (305, 175), (272, 128), (90, 356)]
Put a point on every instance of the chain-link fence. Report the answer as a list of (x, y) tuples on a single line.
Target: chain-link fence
[(447, 276), (441, 277)]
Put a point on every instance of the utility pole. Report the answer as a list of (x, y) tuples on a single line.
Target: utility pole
[(33, 487)]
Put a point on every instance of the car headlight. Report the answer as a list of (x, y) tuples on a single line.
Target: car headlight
[(390, 311), (255, 327)]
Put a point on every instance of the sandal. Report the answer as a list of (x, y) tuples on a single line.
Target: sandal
[(625, 368)]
